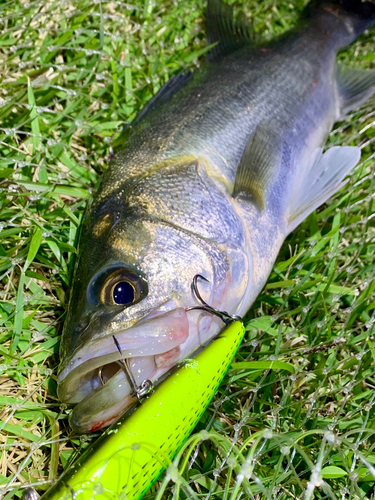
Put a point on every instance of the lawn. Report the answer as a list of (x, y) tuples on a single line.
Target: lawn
[(71, 74)]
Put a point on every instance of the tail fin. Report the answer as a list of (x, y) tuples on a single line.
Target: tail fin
[(346, 18)]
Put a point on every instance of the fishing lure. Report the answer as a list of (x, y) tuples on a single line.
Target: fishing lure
[(128, 458)]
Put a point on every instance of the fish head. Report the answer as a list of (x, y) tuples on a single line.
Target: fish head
[(130, 303)]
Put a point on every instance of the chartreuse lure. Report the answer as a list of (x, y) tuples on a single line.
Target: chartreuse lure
[(128, 458)]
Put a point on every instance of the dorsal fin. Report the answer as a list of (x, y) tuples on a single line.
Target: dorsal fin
[(355, 86), (230, 34), (172, 86), (164, 94)]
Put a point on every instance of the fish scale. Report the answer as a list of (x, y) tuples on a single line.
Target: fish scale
[(173, 204)]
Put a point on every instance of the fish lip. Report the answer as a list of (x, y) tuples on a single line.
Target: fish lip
[(101, 352)]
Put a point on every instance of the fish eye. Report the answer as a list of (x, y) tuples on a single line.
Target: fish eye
[(123, 293), (118, 287)]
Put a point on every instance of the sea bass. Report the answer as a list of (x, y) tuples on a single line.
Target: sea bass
[(218, 168)]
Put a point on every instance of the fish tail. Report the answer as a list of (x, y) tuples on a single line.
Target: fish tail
[(345, 19)]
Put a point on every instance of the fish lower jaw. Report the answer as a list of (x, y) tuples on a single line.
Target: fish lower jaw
[(115, 393)]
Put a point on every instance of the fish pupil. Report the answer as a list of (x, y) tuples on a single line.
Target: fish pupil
[(123, 293)]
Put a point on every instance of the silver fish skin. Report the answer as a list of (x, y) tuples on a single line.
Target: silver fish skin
[(216, 171)]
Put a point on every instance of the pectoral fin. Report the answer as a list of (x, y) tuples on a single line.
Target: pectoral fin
[(258, 165), (319, 180), (355, 86)]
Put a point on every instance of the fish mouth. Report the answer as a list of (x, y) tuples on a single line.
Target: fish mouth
[(100, 377)]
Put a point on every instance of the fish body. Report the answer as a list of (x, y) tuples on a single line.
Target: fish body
[(216, 171)]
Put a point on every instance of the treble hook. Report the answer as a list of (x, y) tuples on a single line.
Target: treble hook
[(140, 391), (223, 315)]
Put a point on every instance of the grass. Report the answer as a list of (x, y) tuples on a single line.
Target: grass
[(295, 416)]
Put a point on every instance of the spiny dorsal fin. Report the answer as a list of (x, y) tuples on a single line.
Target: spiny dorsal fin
[(319, 179), (355, 86), (164, 94), (172, 86), (258, 164), (230, 34)]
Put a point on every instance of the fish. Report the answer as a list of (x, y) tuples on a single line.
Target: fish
[(215, 171)]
